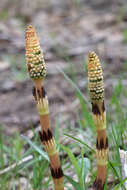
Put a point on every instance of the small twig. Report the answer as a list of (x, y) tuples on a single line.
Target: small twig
[(26, 159)]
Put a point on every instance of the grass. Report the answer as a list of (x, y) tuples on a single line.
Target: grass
[(35, 171), (18, 68), (125, 35)]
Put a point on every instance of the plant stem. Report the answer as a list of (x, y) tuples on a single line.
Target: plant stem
[(37, 71), (96, 90)]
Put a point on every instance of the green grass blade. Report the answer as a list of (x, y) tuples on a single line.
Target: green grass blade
[(120, 184), (83, 100), (41, 152), (72, 158), (78, 140), (74, 184)]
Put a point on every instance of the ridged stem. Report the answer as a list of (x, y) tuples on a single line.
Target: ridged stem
[(96, 90), (37, 71), (47, 139)]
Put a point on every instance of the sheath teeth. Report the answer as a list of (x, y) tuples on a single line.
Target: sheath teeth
[(98, 184)]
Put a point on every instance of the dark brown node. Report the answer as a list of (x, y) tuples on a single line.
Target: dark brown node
[(45, 136), (50, 136), (34, 93), (101, 145), (103, 106), (57, 173), (97, 145), (106, 146), (40, 136), (41, 94), (95, 109), (98, 185)]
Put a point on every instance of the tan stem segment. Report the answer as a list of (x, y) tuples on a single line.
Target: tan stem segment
[(59, 184), (101, 134), (44, 121), (47, 137), (54, 159), (38, 84), (102, 171)]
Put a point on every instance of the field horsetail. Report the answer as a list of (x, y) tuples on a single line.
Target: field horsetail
[(37, 72), (96, 91)]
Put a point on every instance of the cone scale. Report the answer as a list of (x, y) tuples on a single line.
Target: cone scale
[(37, 72), (96, 92)]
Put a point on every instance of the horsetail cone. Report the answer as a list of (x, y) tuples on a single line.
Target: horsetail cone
[(96, 91), (95, 76), (34, 56)]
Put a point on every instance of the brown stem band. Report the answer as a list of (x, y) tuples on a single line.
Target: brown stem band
[(47, 138)]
